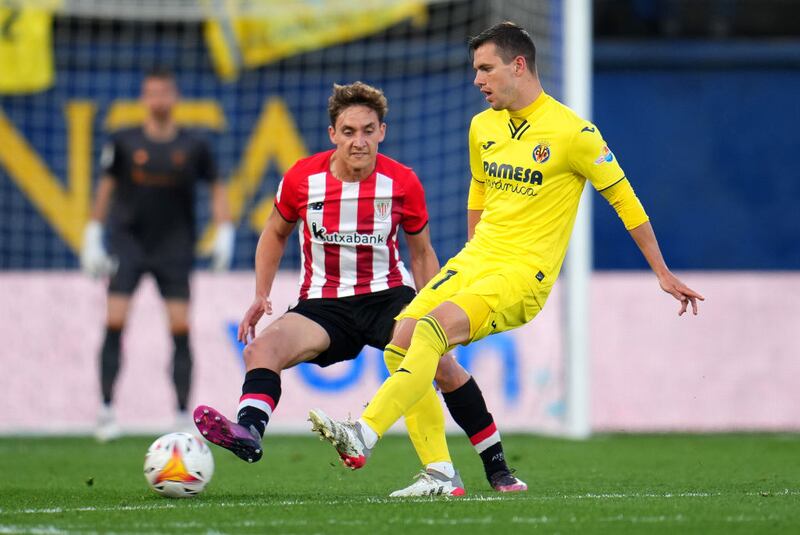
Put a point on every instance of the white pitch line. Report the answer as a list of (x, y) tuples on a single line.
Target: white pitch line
[(377, 500)]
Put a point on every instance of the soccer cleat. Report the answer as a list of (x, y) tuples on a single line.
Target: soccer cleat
[(346, 437), (432, 483), (506, 481), (107, 427), (243, 442)]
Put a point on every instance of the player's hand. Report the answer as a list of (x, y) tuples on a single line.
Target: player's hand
[(677, 289), (222, 250), (247, 327), (95, 261)]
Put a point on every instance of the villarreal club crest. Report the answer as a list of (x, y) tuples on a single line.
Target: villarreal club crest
[(541, 152)]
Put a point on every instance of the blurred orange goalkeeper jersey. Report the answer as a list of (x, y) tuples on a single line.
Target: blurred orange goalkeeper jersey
[(528, 171)]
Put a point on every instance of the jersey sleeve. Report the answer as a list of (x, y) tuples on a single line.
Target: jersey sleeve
[(286, 198), (415, 211), (476, 185), (111, 157), (590, 157), (206, 164)]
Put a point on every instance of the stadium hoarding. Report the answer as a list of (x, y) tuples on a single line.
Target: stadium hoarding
[(726, 369)]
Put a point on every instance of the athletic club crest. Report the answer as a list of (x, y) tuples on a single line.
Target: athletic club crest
[(541, 152), (383, 208)]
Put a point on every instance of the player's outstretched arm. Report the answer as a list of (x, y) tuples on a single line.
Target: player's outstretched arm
[(269, 251), (645, 238)]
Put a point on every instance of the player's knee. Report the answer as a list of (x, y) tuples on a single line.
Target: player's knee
[(264, 352), (450, 375), (115, 324), (453, 319), (179, 328), (253, 354), (403, 330)]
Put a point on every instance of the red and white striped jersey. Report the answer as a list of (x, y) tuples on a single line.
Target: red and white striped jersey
[(348, 230)]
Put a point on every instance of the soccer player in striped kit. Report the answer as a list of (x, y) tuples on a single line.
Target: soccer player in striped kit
[(349, 204)]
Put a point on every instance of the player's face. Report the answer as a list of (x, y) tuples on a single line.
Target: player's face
[(496, 80), (159, 96), (357, 133)]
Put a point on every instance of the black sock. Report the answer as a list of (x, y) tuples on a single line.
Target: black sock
[(261, 392), (109, 362), (468, 409), (182, 369)]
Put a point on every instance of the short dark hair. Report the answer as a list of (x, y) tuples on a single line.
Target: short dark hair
[(356, 94), (511, 41), (160, 73)]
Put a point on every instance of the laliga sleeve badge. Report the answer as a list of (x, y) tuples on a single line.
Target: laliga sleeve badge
[(606, 156)]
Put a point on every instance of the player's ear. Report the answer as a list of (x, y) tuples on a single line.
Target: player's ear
[(331, 133), (519, 65), (382, 131)]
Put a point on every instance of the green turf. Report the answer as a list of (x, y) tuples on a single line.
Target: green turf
[(609, 484)]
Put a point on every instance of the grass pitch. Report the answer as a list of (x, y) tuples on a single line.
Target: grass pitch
[(609, 484)]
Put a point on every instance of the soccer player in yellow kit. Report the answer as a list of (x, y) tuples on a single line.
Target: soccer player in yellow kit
[(530, 157)]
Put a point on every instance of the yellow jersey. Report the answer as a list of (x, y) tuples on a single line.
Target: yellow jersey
[(528, 171)]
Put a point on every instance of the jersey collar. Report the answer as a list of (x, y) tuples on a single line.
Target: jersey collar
[(528, 110)]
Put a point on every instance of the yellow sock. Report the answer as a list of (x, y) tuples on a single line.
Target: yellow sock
[(425, 420), (413, 377)]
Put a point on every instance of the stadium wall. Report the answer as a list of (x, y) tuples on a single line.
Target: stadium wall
[(707, 133), (734, 367)]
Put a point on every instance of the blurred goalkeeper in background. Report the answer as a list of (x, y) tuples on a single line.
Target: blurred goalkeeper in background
[(145, 199)]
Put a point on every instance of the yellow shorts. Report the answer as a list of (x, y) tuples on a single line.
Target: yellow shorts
[(511, 291)]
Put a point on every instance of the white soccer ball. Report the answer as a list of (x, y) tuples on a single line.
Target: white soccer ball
[(178, 465)]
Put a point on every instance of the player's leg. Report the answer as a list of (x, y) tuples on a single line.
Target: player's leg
[(465, 402), (182, 361), (117, 306), (446, 325), (288, 341), (401, 391), (172, 277), (425, 424), (121, 286), (404, 388)]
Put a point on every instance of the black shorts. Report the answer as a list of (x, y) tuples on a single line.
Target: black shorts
[(171, 268), (355, 321)]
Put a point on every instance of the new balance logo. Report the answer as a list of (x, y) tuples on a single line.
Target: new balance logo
[(518, 130), (436, 492), (403, 370), (486, 145), (315, 206)]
